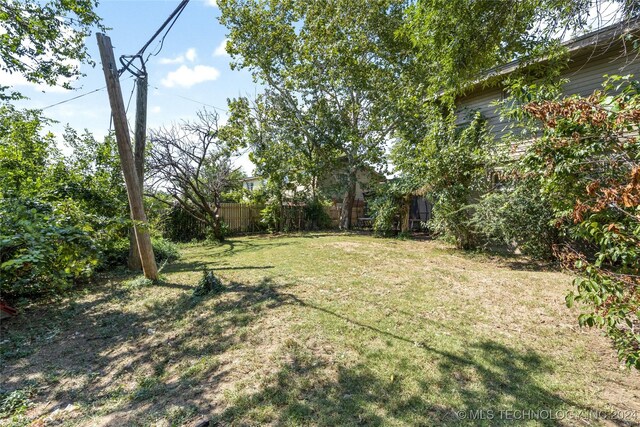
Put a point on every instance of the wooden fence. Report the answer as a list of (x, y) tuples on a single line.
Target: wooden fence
[(241, 217), (245, 218)]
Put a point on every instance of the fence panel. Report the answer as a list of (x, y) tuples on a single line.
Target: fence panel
[(241, 217)]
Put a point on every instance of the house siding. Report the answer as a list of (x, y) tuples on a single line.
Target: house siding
[(585, 74)]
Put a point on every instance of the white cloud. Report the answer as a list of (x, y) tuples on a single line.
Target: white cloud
[(221, 50), (156, 109), (176, 60), (212, 3), (187, 77), (16, 80), (190, 55)]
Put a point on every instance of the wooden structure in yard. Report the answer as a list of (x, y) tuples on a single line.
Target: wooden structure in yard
[(241, 217)]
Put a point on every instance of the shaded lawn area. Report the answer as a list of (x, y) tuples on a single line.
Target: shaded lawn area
[(318, 329)]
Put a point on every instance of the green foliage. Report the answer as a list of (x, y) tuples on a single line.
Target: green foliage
[(179, 226), (44, 247), (386, 208), (209, 283), (295, 216), (91, 175), (587, 163), (138, 282), (329, 70), (316, 216), (116, 252), (452, 163), (25, 153), (459, 40), (517, 216), (16, 402), (271, 216), (44, 40), (385, 211)]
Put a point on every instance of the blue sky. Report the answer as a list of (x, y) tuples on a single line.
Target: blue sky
[(192, 66)]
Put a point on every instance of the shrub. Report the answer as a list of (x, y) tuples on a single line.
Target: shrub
[(294, 216), (452, 163), (316, 216), (44, 247), (208, 284), (518, 217), (385, 211), (116, 253), (587, 163)]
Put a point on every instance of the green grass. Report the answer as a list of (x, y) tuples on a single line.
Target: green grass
[(317, 329)]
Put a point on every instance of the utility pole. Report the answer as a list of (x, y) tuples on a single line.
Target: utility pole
[(140, 139), (123, 139)]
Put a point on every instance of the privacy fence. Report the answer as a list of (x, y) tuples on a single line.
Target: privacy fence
[(240, 218)]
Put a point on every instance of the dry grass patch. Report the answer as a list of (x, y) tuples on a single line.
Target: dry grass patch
[(316, 329)]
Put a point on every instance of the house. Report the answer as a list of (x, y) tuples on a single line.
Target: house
[(606, 51), (253, 183)]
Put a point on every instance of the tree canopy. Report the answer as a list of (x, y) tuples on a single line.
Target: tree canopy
[(44, 41)]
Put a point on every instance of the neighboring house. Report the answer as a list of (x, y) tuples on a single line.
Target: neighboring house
[(606, 51), (253, 183)]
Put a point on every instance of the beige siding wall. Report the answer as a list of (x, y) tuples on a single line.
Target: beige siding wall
[(585, 75)]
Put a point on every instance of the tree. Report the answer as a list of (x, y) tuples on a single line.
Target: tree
[(44, 41), (333, 66), (460, 40), (26, 151), (452, 163), (191, 164), (285, 156)]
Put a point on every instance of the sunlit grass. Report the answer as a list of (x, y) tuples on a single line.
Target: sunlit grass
[(320, 329)]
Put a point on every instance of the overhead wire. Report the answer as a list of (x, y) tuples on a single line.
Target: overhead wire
[(191, 99), (73, 99), (139, 71)]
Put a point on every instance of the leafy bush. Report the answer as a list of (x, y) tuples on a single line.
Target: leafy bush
[(116, 253), (316, 216), (518, 217), (294, 216), (270, 216), (208, 284), (452, 163), (385, 211), (587, 163), (44, 247)]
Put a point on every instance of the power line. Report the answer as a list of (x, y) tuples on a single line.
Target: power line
[(73, 99), (192, 100), (139, 71), (82, 95), (202, 103)]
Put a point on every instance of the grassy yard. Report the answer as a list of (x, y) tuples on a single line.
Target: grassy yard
[(317, 329)]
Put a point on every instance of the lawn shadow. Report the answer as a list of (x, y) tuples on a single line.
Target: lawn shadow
[(504, 258), (167, 355), (488, 383), (104, 352)]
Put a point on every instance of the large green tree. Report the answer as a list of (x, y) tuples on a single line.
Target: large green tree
[(333, 65), (459, 41)]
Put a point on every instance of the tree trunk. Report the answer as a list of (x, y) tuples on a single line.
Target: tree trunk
[(217, 223), (347, 202), (405, 214), (133, 262)]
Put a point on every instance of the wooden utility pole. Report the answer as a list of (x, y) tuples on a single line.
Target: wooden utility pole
[(140, 139), (126, 157)]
